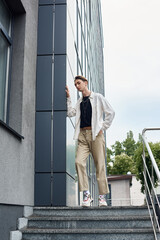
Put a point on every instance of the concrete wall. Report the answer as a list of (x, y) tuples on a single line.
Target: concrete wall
[(125, 194), (17, 156), (120, 193), (8, 219), (137, 197)]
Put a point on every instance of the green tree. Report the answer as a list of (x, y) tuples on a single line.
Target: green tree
[(109, 160), (109, 153), (123, 164), (129, 144), (117, 148), (140, 141), (155, 147)]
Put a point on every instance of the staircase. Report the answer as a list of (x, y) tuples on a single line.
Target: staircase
[(77, 223)]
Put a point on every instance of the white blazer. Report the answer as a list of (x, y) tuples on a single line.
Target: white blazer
[(99, 106)]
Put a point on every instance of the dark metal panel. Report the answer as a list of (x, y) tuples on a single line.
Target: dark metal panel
[(109, 196), (61, 1), (60, 82), (59, 141), (43, 142), (44, 83), (59, 189), (42, 189), (60, 29), (45, 2), (45, 29)]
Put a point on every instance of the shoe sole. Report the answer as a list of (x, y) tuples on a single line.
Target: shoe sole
[(89, 204), (102, 205)]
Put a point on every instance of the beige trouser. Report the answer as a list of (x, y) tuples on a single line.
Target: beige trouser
[(97, 148)]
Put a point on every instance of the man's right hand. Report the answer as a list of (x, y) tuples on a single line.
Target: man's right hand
[(67, 92)]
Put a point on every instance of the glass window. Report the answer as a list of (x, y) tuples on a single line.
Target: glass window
[(90, 10), (84, 59), (86, 67), (79, 38), (82, 47), (82, 17), (5, 43), (79, 5), (3, 75), (5, 16)]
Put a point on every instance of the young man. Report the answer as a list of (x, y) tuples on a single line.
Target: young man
[(89, 127)]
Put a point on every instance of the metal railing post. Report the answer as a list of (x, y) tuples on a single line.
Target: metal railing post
[(144, 169), (151, 196)]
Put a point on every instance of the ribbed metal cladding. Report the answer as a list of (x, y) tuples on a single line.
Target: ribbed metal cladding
[(50, 159), (44, 104)]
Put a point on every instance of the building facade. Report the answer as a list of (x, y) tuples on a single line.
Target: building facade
[(70, 43), (18, 50), (43, 45), (125, 190)]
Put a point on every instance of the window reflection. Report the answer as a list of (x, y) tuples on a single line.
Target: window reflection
[(5, 42), (5, 16), (3, 71), (89, 63), (71, 148)]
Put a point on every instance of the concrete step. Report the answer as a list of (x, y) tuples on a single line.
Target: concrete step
[(91, 222), (88, 234), (92, 211), (107, 223)]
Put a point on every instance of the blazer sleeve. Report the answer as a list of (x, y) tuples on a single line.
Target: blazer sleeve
[(109, 113), (71, 112)]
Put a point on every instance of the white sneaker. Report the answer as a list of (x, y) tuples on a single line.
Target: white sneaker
[(87, 200), (102, 201)]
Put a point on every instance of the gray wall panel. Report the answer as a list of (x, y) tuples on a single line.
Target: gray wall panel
[(60, 82), (59, 141), (60, 29), (43, 189), (17, 157), (44, 83), (45, 30), (8, 219), (43, 142)]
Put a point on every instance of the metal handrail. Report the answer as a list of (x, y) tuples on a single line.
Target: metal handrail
[(152, 194)]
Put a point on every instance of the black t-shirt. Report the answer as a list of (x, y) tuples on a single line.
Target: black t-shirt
[(86, 112)]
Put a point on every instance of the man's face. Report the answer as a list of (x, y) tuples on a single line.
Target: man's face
[(80, 85)]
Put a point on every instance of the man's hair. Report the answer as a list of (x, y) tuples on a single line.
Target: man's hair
[(81, 78)]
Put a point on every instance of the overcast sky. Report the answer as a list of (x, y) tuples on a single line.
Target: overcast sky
[(131, 30)]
